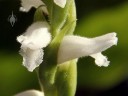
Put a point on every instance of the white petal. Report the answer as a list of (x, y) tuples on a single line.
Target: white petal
[(37, 36), (27, 4), (100, 60), (31, 58), (73, 47), (60, 3), (30, 93), (32, 41)]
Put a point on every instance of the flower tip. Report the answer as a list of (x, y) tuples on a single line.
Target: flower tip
[(20, 38), (111, 38), (60, 3), (31, 68), (32, 58), (100, 60), (114, 38), (114, 34), (28, 4), (22, 9), (102, 63), (115, 41)]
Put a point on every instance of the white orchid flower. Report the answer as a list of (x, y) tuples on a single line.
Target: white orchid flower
[(73, 47), (32, 41), (30, 93), (28, 4), (60, 3)]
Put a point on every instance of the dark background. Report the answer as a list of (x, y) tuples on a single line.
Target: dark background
[(95, 17)]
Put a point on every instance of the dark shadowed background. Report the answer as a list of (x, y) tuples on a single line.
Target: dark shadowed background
[(95, 17)]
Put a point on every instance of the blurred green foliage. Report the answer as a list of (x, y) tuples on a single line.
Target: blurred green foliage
[(98, 23), (13, 76)]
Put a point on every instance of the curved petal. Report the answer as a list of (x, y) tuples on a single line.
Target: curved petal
[(73, 47), (37, 36), (100, 60), (31, 58), (32, 41), (27, 4), (30, 93)]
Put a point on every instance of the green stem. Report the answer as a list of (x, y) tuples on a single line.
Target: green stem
[(47, 72), (59, 80), (66, 78)]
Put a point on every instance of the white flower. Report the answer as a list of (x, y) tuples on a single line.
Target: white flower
[(60, 3), (32, 41), (30, 93), (27, 4), (73, 47)]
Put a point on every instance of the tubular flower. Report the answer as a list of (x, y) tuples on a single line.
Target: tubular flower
[(27, 4), (32, 41), (73, 47), (30, 93)]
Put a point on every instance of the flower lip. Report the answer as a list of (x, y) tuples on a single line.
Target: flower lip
[(100, 60), (32, 41)]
